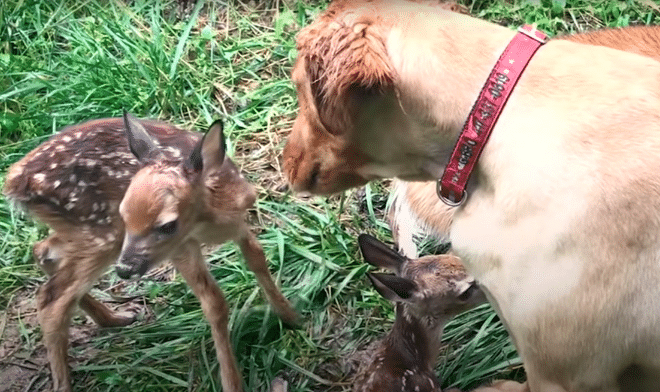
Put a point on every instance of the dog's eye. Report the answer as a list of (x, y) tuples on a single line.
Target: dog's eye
[(167, 229), (314, 177)]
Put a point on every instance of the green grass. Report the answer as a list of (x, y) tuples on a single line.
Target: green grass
[(69, 61)]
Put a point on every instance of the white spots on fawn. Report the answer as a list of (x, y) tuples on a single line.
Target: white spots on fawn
[(39, 178), (53, 166), (72, 178), (119, 154), (175, 152), (104, 221), (56, 184), (69, 206), (60, 147), (117, 173), (66, 139), (77, 135)]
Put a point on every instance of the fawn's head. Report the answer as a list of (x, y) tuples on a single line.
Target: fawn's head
[(165, 198), (432, 289)]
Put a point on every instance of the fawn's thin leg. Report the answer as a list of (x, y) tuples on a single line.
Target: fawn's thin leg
[(103, 315), (57, 299), (256, 262), (48, 254), (191, 265)]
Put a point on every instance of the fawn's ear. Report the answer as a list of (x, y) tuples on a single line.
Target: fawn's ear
[(467, 291), (393, 287), (209, 153), (139, 140), (378, 254)]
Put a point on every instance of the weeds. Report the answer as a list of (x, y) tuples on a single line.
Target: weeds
[(69, 61)]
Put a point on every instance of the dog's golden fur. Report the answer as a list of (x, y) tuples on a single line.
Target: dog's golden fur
[(562, 225), (416, 206)]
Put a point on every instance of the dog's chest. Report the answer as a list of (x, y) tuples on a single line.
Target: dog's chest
[(521, 262)]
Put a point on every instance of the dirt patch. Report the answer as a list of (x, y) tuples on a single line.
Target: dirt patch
[(15, 378), (23, 362), (23, 358)]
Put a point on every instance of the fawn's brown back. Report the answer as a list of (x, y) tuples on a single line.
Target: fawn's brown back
[(79, 176)]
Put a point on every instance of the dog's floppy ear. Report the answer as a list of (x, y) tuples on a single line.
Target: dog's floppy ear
[(344, 57)]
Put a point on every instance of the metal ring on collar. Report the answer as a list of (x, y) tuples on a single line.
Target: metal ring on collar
[(447, 201)]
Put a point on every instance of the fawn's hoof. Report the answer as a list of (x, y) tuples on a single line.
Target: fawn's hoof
[(278, 385), (129, 314), (290, 319)]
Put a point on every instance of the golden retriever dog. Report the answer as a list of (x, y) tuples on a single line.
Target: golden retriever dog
[(562, 222), (416, 208)]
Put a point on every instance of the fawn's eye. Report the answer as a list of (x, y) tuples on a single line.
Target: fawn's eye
[(167, 229)]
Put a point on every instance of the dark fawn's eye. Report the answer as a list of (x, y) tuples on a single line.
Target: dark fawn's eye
[(167, 229)]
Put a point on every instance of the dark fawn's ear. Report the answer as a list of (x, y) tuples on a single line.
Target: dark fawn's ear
[(139, 141), (468, 291), (209, 153), (378, 254), (393, 287)]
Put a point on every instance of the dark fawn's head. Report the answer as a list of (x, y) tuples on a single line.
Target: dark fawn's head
[(433, 289), (162, 204), (428, 292)]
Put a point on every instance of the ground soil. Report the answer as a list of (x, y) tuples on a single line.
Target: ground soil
[(23, 358)]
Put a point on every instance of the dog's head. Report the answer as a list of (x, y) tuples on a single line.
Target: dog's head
[(352, 126)]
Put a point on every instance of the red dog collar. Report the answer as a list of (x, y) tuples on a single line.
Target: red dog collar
[(484, 114)]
